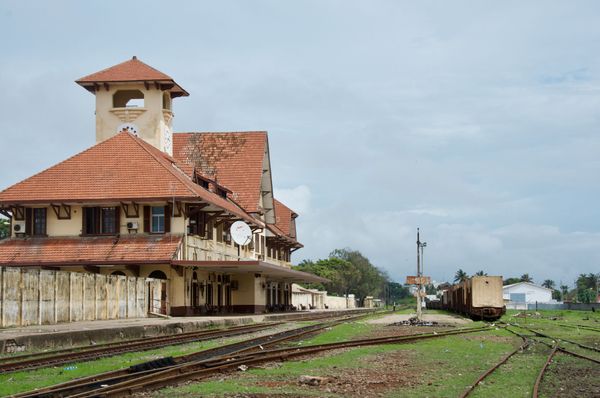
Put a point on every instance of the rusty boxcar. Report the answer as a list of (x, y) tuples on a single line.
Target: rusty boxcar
[(479, 297)]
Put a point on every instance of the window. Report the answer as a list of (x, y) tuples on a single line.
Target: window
[(101, 220), (39, 221), (158, 220), (128, 99)]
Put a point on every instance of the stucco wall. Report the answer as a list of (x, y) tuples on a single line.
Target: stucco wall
[(35, 297)]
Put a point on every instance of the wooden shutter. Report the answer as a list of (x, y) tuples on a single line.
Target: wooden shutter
[(147, 219), (201, 223), (117, 220), (209, 227), (28, 221), (167, 218)]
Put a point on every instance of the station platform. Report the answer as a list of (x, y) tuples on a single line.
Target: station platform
[(85, 333)]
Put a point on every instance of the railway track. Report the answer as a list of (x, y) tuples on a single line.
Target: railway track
[(80, 354), (205, 362), (555, 348), (149, 368), (540, 334), (584, 327), (200, 369), (60, 357), (491, 370)]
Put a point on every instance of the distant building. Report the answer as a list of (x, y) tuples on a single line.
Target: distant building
[(526, 293)]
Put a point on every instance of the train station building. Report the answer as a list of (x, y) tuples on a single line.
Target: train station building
[(147, 202)]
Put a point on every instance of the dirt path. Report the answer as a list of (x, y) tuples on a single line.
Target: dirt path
[(442, 319)]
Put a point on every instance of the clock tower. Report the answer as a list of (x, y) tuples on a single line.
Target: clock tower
[(136, 98)]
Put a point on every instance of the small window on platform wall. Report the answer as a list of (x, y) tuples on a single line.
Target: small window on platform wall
[(128, 99), (101, 220)]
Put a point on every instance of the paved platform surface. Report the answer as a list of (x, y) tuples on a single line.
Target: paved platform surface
[(90, 332)]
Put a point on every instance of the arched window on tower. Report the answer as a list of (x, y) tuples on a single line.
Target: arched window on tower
[(128, 99)]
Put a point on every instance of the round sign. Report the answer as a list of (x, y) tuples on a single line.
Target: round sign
[(241, 233)]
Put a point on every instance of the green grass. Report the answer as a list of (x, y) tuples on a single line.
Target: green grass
[(453, 354), (13, 383)]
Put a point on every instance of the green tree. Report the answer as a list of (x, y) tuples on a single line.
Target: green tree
[(480, 273), (586, 296), (526, 278), (556, 295), (548, 283), (397, 292), (349, 272), (370, 279), (460, 276), (4, 228), (510, 281)]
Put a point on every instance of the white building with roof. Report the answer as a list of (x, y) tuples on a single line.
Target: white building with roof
[(526, 293)]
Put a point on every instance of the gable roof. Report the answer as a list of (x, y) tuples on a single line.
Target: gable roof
[(234, 159), (122, 168), (525, 283), (132, 70)]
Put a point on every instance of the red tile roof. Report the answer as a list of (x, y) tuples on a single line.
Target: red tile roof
[(89, 250), (132, 70), (121, 168), (283, 216), (234, 159)]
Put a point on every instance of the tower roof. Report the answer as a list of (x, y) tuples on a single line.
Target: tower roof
[(132, 70)]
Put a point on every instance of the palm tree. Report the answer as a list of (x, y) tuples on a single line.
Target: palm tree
[(460, 276), (549, 283), (564, 289), (526, 278), (480, 273)]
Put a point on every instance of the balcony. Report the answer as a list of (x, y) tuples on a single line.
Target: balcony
[(210, 250)]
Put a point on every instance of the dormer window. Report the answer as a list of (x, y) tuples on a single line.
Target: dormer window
[(222, 193), (128, 99)]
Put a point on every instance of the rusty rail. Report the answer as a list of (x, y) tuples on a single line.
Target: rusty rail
[(584, 327), (536, 386), (488, 372), (195, 370), (538, 333), (96, 381), (80, 354)]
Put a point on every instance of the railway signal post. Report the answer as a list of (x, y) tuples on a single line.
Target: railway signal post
[(419, 280)]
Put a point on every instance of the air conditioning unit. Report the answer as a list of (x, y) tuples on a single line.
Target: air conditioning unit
[(19, 227), (133, 225)]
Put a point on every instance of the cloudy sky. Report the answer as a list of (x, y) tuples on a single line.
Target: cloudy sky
[(476, 121)]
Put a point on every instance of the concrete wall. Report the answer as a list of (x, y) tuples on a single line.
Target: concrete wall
[(332, 302), (37, 297)]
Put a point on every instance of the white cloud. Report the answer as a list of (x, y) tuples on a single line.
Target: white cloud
[(297, 198)]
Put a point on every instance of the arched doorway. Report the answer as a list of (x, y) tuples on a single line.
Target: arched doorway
[(118, 273), (163, 292)]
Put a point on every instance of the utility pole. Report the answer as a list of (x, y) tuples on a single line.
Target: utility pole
[(419, 313)]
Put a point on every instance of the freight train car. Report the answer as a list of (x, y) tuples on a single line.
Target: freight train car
[(479, 297)]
